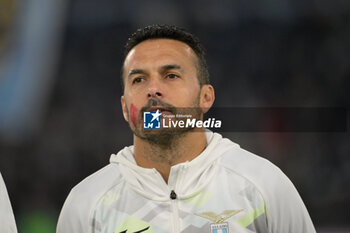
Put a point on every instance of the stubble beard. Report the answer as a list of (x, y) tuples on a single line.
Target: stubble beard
[(166, 138)]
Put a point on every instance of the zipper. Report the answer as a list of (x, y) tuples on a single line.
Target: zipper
[(175, 212), (174, 200)]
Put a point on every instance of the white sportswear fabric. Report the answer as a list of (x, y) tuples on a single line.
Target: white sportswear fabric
[(222, 178), (7, 220)]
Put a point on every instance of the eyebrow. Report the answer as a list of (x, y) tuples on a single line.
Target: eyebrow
[(136, 71), (162, 68), (170, 67)]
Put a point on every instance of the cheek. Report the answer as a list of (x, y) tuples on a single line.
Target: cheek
[(190, 96), (133, 114)]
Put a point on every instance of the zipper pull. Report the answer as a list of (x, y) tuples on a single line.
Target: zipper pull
[(173, 195)]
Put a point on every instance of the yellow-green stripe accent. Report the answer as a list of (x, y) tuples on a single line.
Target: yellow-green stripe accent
[(249, 218)]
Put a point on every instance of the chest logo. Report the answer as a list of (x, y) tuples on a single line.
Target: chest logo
[(219, 225), (143, 230), (134, 225), (219, 228), (218, 218)]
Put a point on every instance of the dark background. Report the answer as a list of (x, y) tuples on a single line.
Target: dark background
[(281, 53)]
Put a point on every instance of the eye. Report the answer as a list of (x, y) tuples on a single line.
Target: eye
[(172, 76), (137, 80)]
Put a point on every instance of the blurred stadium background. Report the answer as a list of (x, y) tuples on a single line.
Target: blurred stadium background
[(60, 115)]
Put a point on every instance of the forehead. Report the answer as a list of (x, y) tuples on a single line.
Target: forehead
[(159, 50)]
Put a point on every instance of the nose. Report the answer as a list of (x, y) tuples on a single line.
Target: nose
[(154, 94), (154, 89)]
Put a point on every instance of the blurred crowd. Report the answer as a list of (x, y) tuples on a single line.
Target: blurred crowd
[(260, 53)]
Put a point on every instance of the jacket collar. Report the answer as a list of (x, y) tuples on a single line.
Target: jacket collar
[(186, 179)]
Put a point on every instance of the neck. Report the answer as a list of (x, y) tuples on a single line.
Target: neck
[(163, 157)]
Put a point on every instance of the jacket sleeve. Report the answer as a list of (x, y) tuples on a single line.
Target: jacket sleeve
[(7, 219), (74, 216), (76, 213), (285, 209)]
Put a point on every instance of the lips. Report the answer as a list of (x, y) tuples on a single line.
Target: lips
[(154, 109), (155, 104)]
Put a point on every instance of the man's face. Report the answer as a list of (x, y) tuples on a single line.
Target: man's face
[(159, 74)]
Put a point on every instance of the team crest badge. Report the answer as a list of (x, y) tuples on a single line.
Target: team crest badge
[(219, 225), (219, 228)]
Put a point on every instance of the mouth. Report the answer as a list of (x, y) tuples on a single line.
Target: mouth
[(155, 108), (161, 109)]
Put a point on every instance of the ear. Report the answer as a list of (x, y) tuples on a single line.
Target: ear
[(125, 109), (207, 97)]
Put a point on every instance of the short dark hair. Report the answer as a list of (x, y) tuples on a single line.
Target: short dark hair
[(170, 32)]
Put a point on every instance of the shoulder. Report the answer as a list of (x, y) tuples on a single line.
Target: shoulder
[(263, 174), (285, 209), (76, 210), (98, 182), (251, 166), (266, 177)]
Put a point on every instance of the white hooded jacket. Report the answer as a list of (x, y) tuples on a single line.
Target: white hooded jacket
[(7, 220), (224, 189)]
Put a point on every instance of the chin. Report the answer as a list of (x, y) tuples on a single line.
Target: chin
[(162, 137)]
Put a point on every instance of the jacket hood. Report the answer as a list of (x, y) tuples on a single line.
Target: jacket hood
[(186, 179)]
